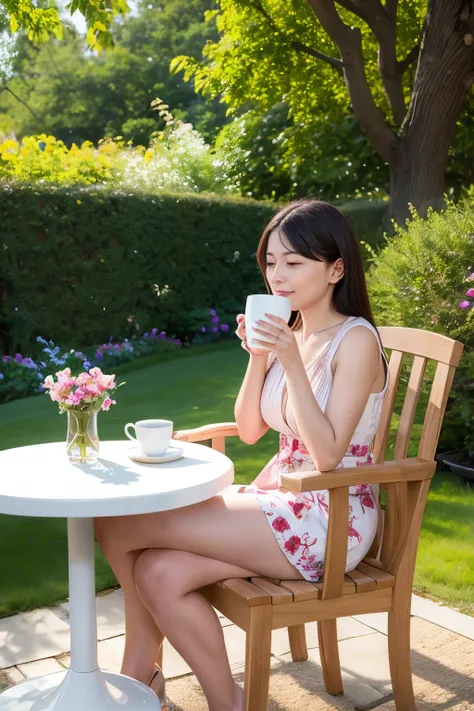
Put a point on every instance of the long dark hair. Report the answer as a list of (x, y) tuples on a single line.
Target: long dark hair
[(317, 230)]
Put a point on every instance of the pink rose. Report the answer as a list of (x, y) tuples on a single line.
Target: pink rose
[(64, 378), (107, 403), (280, 524), (470, 292), (84, 379), (105, 382), (293, 544), (48, 382), (75, 398)]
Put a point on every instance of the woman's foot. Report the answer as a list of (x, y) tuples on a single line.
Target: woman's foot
[(157, 685)]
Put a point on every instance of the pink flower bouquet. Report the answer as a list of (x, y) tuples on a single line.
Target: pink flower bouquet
[(82, 397)]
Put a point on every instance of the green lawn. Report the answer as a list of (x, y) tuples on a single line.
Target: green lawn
[(193, 388)]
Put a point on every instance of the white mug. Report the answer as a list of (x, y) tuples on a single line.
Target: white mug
[(257, 306), (153, 436)]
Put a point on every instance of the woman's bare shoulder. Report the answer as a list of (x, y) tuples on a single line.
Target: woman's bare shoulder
[(359, 343)]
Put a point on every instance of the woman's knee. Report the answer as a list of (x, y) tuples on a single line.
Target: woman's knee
[(159, 574)]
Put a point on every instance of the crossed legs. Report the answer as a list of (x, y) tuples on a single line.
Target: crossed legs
[(162, 559)]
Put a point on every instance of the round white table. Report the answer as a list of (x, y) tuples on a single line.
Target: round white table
[(39, 481)]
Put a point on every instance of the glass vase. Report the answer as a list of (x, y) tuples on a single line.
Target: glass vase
[(82, 441)]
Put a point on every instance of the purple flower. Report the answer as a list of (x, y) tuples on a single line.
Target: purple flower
[(29, 363), (470, 292), (146, 334), (117, 346), (203, 329), (162, 334), (212, 312), (215, 329), (5, 359), (224, 327), (154, 331), (464, 305), (177, 342), (98, 354), (18, 357), (215, 319)]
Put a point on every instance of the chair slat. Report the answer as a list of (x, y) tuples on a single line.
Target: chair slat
[(440, 388), (301, 590), (411, 498), (248, 593), (279, 595), (409, 406), (337, 541), (363, 582), (383, 579), (390, 529), (348, 586), (383, 432)]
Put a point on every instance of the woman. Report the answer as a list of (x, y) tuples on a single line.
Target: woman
[(320, 382)]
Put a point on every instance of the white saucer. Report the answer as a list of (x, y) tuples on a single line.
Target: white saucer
[(171, 454)]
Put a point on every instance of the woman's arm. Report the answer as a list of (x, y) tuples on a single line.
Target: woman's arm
[(327, 435), (249, 420)]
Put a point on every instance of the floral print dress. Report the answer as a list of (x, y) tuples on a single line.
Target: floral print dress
[(299, 522)]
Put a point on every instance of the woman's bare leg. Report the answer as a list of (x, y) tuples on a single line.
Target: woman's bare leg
[(142, 637), (230, 530), (167, 581)]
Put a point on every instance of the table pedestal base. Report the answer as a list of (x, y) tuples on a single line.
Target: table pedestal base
[(75, 691)]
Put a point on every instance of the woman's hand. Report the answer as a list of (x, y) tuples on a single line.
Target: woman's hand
[(242, 334), (278, 337)]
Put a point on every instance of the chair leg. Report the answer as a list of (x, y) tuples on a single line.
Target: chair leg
[(299, 650), (329, 651), (399, 657), (257, 658)]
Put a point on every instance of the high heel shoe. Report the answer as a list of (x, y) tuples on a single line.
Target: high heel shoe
[(157, 684)]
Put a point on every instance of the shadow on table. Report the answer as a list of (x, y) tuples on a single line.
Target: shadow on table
[(119, 474)]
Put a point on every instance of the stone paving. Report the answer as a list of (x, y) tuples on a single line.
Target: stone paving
[(37, 643)]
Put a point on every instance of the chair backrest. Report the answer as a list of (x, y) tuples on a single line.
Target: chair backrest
[(423, 346), (406, 499)]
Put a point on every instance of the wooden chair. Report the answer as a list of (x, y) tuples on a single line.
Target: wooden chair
[(383, 581)]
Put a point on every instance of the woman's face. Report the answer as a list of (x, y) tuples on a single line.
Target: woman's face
[(304, 281)]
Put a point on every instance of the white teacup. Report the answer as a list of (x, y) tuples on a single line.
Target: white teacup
[(257, 306), (152, 436)]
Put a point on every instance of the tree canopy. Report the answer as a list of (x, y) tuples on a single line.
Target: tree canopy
[(402, 69)]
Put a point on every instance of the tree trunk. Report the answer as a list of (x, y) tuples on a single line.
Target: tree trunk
[(417, 177), (443, 79)]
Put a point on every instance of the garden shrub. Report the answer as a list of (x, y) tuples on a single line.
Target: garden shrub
[(81, 265), (424, 278)]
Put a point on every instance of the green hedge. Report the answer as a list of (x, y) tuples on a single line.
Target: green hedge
[(81, 265)]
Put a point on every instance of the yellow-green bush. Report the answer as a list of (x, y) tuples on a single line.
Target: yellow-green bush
[(177, 160), (44, 158)]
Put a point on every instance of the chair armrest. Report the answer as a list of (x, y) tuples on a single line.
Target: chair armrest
[(410, 469), (200, 434)]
